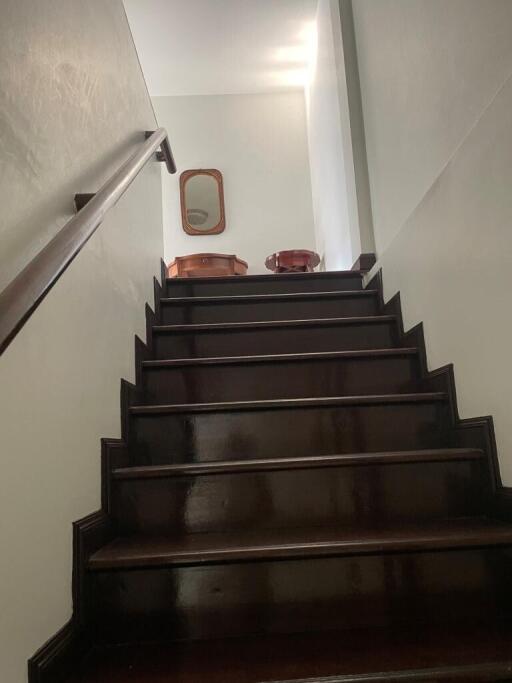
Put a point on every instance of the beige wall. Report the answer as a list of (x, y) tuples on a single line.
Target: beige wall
[(259, 144), (355, 120), (428, 68), (437, 97), (330, 146), (72, 106)]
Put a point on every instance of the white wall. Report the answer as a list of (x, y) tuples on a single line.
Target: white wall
[(59, 378), (72, 105), (351, 89), (427, 70), (330, 147), (437, 96), (259, 144)]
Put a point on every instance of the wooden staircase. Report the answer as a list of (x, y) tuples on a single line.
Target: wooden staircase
[(294, 498)]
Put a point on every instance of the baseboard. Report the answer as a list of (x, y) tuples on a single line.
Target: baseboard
[(53, 662), (57, 658), (365, 262)]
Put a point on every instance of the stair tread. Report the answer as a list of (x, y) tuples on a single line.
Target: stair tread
[(373, 399), (444, 652), (290, 463), (289, 296), (259, 277), (268, 544), (282, 357), (264, 324)]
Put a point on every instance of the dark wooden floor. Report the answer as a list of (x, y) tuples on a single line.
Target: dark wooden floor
[(444, 654)]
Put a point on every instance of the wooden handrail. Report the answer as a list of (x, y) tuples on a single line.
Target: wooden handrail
[(22, 296)]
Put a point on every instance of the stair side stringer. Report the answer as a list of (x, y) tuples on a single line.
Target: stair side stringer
[(55, 660), (477, 432)]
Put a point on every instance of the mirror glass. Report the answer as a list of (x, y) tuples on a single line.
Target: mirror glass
[(202, 202)]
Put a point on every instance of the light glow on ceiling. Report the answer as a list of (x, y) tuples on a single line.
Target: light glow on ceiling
[(297, 62)]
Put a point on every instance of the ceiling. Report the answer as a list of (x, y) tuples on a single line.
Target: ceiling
[(214, 47)]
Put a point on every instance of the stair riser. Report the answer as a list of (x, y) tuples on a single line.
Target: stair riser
[(299, 379), (298, 309), (160, 439), (296, 339), (295, 596), (267, 285), (341, 496)]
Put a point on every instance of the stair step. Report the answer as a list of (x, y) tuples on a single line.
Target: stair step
[(473, 653), (239, 378), (275, 336), (273, 544), (171, 433), (198, 469), (268, 298), (271, 283), (342, 491), (266, 324), (281, 357), (282, 404), (268, 277), (479, 673), (254, 307)]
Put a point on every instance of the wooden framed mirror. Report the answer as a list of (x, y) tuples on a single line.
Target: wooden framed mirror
[(202, 202)]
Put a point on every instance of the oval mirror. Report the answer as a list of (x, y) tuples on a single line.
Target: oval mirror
[(202, 202)]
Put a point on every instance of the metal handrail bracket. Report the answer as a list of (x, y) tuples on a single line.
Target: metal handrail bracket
[(22, 296)]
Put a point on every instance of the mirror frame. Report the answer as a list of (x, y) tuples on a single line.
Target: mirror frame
[(217, 176)]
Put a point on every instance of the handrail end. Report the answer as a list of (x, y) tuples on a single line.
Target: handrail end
[(165, 154)]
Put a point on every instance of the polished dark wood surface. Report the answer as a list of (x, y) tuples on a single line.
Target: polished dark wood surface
[(163, 434), (365, 262), (253, 307), (281, 376), (467, 652), (285, 336), (298, 542), (348, 496), (286, 463), (294, 496), (342, 280), (302, 594)]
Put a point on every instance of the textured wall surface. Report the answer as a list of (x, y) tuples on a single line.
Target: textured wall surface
[(259, 144), (452, 262), (427, 68), (437, 95), (355, 107), (330, 146), (73, 106)]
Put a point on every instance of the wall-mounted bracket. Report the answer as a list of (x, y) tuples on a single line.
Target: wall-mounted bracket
[(82, 199), (164, 154)]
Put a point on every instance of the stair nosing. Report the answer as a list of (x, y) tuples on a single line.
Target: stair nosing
[(243, 298), (221, 467), (282, 357), (266, 324), (419, 540), (269, 277), (226, 406), (447, 672)]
